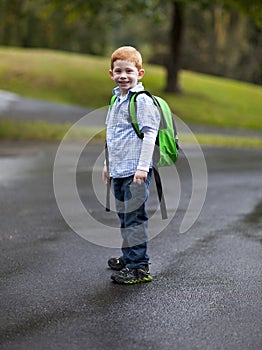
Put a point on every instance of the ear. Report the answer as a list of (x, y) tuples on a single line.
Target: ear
[(111, 73), (141, 73)]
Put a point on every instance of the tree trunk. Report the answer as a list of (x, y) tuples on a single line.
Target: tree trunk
[(175, 45)]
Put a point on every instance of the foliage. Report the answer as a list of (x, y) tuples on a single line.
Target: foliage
[(230, 41), (218, 39), (252, 8)]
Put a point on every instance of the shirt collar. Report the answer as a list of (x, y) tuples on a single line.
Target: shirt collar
[(138, 87)]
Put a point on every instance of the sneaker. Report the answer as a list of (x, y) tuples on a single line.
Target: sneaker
[(132, 276), (116, 264)]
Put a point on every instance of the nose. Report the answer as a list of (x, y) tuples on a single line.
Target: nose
[(123, 75)]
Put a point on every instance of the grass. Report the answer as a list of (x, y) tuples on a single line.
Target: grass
[(213, 101), (218, 140), (43, 131), (55, 76), (83, 80)]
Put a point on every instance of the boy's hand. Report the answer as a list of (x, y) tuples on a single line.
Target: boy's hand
[(105, 175), (140, 176)]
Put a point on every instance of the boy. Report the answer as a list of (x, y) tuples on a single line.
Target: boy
[(130, 164)]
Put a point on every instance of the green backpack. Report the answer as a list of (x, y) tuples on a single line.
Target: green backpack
[(166, 152)]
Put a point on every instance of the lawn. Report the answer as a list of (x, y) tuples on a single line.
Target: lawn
[(83, 80)]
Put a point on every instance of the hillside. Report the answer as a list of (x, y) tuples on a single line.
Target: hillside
[(84, 80)]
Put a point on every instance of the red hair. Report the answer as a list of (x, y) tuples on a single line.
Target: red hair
[(127, 53)]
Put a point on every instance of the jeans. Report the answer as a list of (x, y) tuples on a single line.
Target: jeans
[(130, 200)]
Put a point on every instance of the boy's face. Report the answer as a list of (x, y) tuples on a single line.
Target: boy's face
[(125, 75)]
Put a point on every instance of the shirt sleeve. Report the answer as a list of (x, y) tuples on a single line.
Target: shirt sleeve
[(147, 150)]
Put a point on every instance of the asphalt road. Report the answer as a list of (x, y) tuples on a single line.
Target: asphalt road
[(56, 291), (18, 108)]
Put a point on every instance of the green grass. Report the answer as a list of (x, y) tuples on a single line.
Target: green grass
[(218, 140), (212, 100), (84, 80), (55, 76), (43, 131)]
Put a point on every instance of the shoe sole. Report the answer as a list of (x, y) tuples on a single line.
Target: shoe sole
[(144, 279)]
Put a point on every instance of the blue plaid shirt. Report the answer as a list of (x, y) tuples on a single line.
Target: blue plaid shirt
[(124, 146)]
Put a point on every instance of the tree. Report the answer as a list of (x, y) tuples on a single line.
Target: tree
[(253, 9), (173, 64)]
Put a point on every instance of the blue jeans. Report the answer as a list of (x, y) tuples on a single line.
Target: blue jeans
[(130, 200)]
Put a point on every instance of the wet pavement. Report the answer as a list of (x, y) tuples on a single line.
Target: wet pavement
[(18, 108), (56, 291)]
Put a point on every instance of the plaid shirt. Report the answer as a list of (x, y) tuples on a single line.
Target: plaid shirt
[(124, 146)]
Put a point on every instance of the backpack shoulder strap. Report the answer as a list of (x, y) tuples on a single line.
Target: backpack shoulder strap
[(158, 102), (133, 110), (112, 100)]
